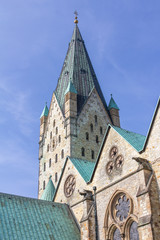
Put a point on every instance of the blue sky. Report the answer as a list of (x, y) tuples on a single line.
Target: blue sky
[(123, 41)]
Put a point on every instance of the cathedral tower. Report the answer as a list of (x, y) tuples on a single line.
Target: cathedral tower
[(77, 117)]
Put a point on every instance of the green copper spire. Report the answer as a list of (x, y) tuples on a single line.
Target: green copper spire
[(112, 104), (45, 111), (77, 68), (70, 88), (49, 191)]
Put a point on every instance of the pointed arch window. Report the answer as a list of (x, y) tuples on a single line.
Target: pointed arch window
[(87, 136), (133, 232), (83, 152), (91, 127), (117, 235)]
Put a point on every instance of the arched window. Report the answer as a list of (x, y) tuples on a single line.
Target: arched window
[(54, 123), (82, 151), (56, 177), (87, 136), (50, 162), (117, 235), (48, 148), (97, 141), (59, 138), (133, 232), (44, 167), (91, 127), (95, 118), (92, 154), (56, 130), (62, 153), (56, 158), (50, 135), (101, 130), (44, 185)]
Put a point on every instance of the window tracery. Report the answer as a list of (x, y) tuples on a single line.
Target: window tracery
[(120, 222)]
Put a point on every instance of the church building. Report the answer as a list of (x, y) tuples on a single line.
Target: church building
[(97, 181)]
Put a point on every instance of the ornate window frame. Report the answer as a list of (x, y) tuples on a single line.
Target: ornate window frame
[(111, 222)]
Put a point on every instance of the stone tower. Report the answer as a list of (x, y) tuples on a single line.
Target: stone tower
[(77, 117)]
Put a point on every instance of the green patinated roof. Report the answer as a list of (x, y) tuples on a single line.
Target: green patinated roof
[(45, 112), (84, 167), (136, 140), (27, 218), (77, 68), (70, 88), (112, 104), (49, 191)]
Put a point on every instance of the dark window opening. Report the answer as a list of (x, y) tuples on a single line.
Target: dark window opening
[(97, 141), (83, 152), (48, 148), (56, 158), (56, 130), (50, 162), (101, 130), (56, 177), (54, 123), (44, 185), (62, 153), (59, 139), (87, 136), (91, 127), (44, 167), (50, 135), (92, 154), (95, 118)]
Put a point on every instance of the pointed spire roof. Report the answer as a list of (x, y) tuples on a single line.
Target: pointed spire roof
[(49, 191), (45, 111), (78, 69), (70, 88), (112, 104)]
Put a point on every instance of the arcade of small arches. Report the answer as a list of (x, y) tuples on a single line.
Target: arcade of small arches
[(120, 222)]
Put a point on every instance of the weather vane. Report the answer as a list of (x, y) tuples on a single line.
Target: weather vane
[(76, 14)]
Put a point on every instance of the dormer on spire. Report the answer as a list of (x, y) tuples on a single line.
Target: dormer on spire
[(45, 111), (71, 88), (49, 191), (114, 112)]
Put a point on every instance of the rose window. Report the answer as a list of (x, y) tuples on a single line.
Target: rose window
[(122, 207), (119, 161), (69, 185), (110, 167), (113, 152)]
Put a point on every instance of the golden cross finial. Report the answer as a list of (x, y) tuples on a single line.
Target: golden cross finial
[(76, 14)]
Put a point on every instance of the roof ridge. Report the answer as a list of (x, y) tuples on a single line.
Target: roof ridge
[(129, 131)]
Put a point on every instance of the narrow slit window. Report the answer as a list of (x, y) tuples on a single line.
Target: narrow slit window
[(56, 130), (97, 140), (56, 158), (91, 127), (87, 136), (62, 153), (48, 148), (101, 130), (59, 138), (56, 177), (50, 162), (92, 154), (44, 167), (54, 123), (44, 185), (95, 118), (83, 151), (50, 135)]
